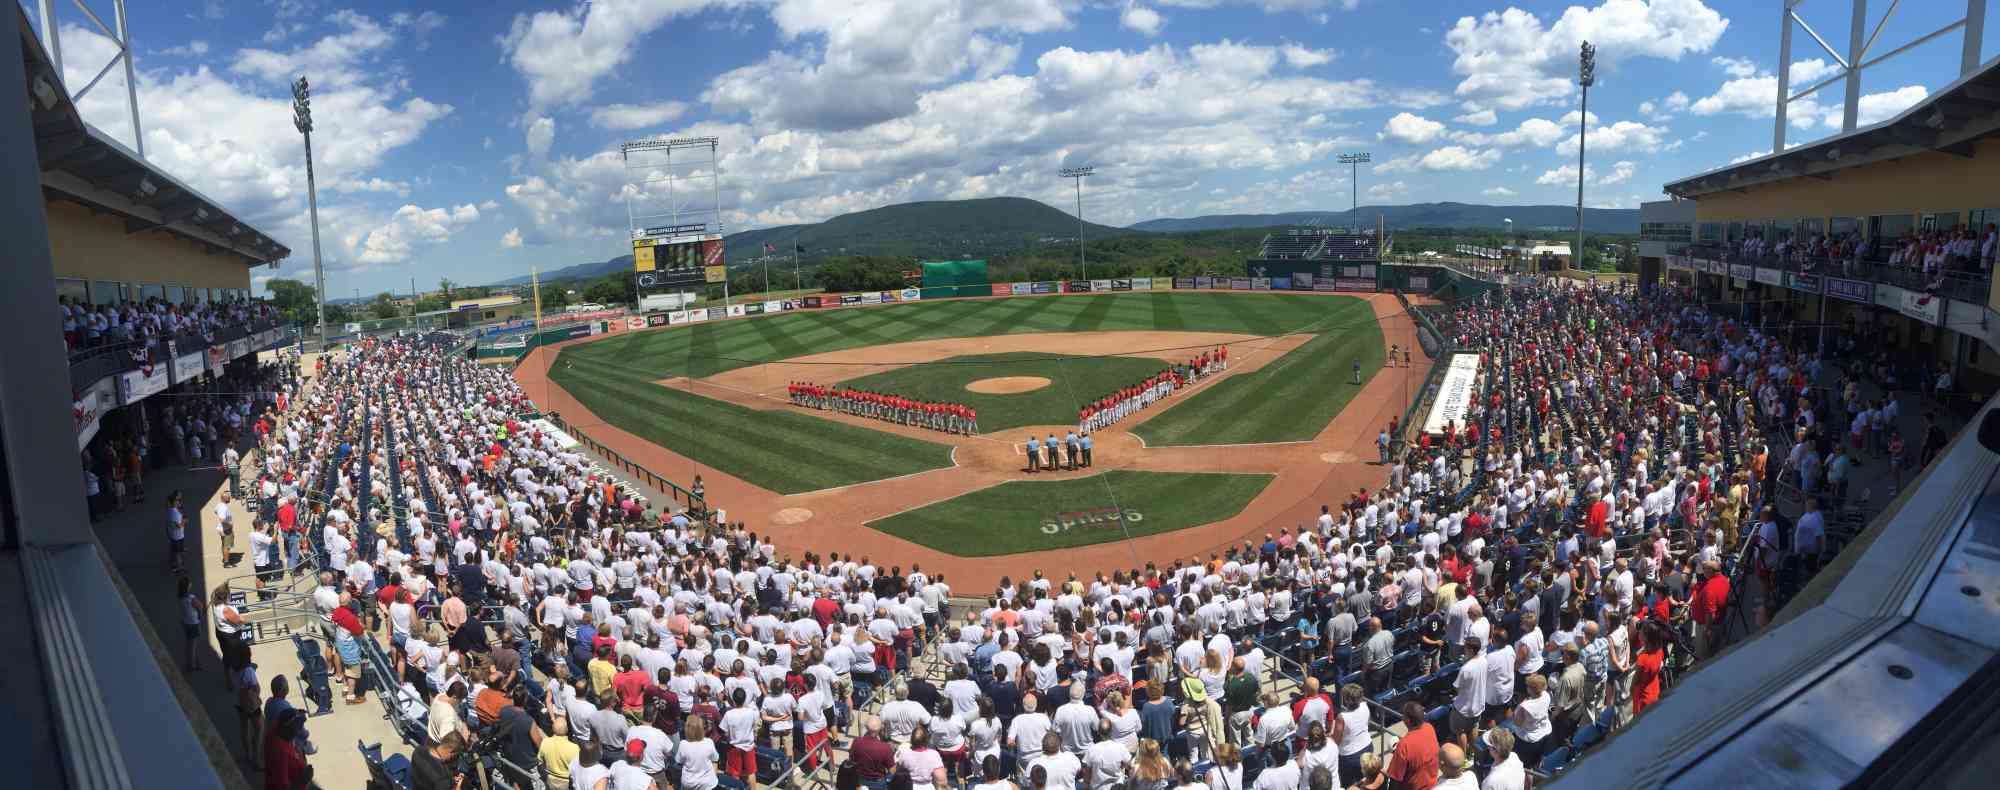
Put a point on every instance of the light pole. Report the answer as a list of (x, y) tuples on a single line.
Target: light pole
[(302, 119), (1078, 173), (1586, 73), (1354, 162)]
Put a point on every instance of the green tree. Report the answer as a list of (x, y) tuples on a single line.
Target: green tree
[(444, 288), (294, 300), (612, 290), (554, 298), (384, 306)]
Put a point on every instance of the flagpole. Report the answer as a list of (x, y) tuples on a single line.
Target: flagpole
[(798, 280)]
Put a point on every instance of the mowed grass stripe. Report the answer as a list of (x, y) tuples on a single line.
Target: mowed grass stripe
[(1014, 316), (783, 344), (769, 449), (1067, 512), (1092, 315), (1167, 312), (1291, 399)]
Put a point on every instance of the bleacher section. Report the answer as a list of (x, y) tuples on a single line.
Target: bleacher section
[(1308, 244)]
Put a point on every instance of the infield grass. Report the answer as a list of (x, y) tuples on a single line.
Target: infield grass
[(1289, 399), (1072, 380), (1035, 515)]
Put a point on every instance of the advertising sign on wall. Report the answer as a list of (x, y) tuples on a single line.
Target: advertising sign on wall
[(718, 313), (1326, 284), (677, 317), (1302, 281), (1742, 271), (1076, 286), (850, 299), (136, 384), (1202, 281), (697, 316), (910, 295), (734, 311), (872, 297), (89, 408), (774, 306), (1281, 283), (1353, 284), (1043, 287), (1770, 276), (1239, 283), (239, 347), (636, 322), (1004, 289), (1100, 285), (810, 302), (1922, 306), (1142, 283), (217, 357), (1017, 289), (1805, 283), (1260, 283), (1419, 283), (656, 319), (1121, 284), (1187, 282), (188, 367), (1850, 290)]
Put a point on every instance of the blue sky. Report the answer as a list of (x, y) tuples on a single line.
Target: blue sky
[(471, 141)]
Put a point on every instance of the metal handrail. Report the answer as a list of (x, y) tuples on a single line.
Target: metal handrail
[(696, 505)]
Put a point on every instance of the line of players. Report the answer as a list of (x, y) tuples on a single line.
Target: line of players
[(1108, 410), (948, 417)]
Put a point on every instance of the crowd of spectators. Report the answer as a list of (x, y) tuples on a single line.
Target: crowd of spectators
[(89, 326), (1963, 251), (1514, 590)]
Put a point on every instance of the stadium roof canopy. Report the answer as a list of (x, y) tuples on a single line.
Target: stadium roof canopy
[(1951, 121), (83, 165)]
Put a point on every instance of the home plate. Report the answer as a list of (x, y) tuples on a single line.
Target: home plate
[(791, 516), (1337, 457)]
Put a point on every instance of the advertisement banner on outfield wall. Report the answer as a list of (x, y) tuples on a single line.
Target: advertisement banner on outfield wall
[(888, 297), (1142, 283), (635, 322), (1121, 283), (1352, 284), (1302, 281), (1100, 285), (774, 306), (810, 302), (677, 317), (1004, 289), (582, 330), (1281, 283), (753, 308), (737, 311), (718, 313), (872, 297), (1043, 287), (1196, 281), (1454, 393), (1324, 284), (697, 316), (1076, 286), (656, 319), (1260, 283), (911, 295), (1419, 283), (1239, 283), (1017, 289), (850, 299)]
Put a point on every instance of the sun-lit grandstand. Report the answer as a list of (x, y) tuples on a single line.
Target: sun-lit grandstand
[(1245, 507)]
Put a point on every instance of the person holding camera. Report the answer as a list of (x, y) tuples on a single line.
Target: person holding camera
[(436, 768)]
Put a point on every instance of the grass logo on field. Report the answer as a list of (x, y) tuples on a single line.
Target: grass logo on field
[(1094, 518)]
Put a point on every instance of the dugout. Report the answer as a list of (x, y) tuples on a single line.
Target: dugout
[(946, 279)]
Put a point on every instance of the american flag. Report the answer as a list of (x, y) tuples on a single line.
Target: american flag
[(768, 249)]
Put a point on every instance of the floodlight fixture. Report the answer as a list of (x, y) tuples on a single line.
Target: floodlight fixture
[(1354, 161), (1079, 173)]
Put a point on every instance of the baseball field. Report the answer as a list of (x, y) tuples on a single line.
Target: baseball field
[(710, 398)]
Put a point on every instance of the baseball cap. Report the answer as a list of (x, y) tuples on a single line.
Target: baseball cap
[(636, 748)]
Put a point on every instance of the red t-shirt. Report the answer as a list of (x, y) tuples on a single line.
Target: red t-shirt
[(1594, 522), (283, 765), (1415, 761), (631, 688), (1710, 599), (387, 595), (288, 517), (1646, 679)]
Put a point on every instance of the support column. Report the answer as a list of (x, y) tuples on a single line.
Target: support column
[(1784, 75), (1856, 36)]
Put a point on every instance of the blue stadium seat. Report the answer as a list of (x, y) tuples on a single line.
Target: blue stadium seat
[(1555, 761)]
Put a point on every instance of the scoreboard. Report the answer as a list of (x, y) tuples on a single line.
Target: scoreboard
[(680, 262)]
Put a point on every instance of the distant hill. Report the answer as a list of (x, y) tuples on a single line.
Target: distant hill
[(1419, 215), (941, 229)]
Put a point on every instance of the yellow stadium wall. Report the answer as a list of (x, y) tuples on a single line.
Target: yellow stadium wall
[(1918, 184), (96, 247)]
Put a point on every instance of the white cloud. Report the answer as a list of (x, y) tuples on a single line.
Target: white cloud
[(872, 65), (512, 239), (1388, 190), (1563, 175), (487, 143), (1664, 109), (1535, 132), (1879, 107), (395, 241), (336, 60), (1569, 118), (1509, 60), (1300, 57), (1450, 157), (1620, 136), (1498, 192), (541, 134), (1736, 67), (195, 48), (1754, 94), (1749, 156), (1621, 172), (562, 54), (636, 116), (1413, 129), (1479, 118), (1141, 19)]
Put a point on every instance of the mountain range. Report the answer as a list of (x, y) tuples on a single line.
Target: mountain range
[(1417, 215), (991, 227)]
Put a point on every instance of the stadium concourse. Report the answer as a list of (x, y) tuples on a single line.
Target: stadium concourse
[(1500, 605)]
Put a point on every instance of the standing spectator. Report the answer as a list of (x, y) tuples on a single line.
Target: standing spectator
[(1414, 765)]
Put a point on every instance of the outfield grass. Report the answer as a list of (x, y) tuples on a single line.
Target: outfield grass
[(790, 452), (1034, 515), (1072, 380), (784, 451), (1290, 399)]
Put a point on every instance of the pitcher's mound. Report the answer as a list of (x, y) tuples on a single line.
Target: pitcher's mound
[(1008, 385), (791, 516)]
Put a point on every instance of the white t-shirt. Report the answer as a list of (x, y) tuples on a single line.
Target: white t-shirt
[(176, 524), (698, 759), (1062, 769), (1107, 761), (920, 763), (260, 548)]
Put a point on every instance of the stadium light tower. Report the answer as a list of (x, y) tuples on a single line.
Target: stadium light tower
[(1078, 173), (1586, 74), (1354, 162), (302, 119)]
